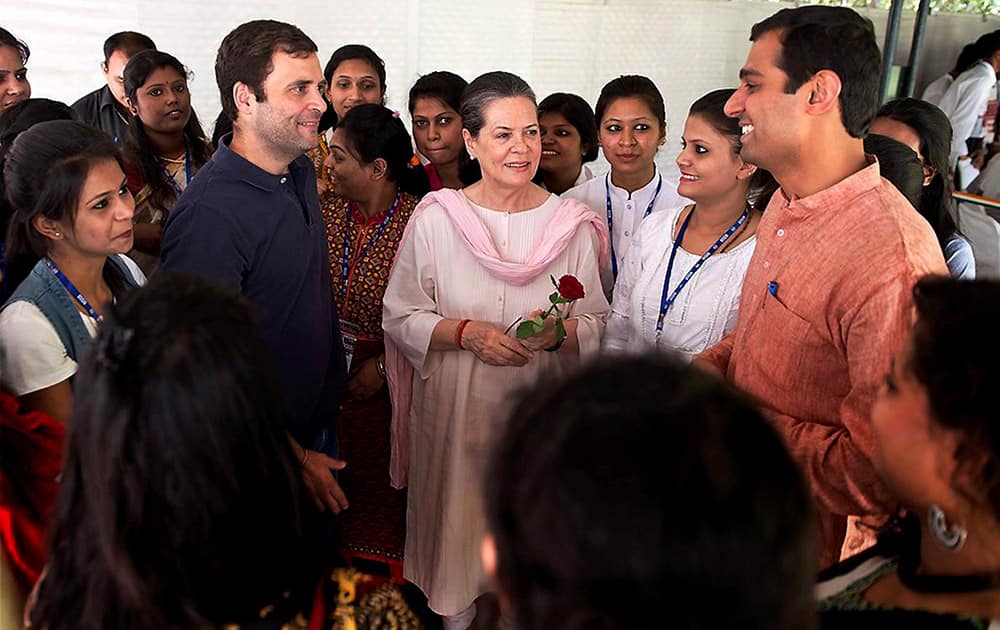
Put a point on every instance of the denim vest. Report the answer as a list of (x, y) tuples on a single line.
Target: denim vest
[(44, 290)]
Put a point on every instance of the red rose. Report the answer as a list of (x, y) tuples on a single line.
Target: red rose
[(570, 288)]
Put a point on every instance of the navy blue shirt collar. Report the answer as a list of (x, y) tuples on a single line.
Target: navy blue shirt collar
[(247, 171)]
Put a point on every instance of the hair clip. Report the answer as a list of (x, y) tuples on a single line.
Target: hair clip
[(395, 113), (414, 161), (114, 348)]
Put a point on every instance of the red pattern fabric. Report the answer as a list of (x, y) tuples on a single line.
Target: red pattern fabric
[(375, 525), (31, 447), (360, 302)]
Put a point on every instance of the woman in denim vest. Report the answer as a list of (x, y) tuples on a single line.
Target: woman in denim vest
[(71, 223)]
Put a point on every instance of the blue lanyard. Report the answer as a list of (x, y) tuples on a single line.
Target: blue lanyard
[(73, 290), (187, 171), (667, 301), (611, 219), (346, 261)]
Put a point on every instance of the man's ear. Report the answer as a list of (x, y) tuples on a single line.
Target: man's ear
[(244, 97), (824, 91), (131, 106), (104, 67)]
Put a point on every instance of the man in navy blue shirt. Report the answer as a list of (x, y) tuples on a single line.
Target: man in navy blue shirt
[(251, 221)]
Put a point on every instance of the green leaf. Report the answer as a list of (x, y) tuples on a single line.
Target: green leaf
[(555, 297), (528, 329)]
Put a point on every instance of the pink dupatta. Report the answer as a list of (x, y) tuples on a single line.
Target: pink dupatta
[(569, 217)]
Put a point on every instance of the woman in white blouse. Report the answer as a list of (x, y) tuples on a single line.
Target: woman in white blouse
[(632, 126), (680, 285)]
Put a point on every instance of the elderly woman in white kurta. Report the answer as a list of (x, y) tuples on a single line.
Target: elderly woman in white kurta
[(472, 263), (680, 286)]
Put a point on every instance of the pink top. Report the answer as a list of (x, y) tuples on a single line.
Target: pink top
[(825, 304)]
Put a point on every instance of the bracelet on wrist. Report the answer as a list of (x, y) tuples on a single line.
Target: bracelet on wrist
[(305, 457), (458, 333), (380, 367), (555, 347)]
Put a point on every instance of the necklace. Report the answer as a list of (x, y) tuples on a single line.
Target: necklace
[(909, 561), (187, 170)]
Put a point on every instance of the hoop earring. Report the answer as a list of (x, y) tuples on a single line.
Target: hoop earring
[(950, 537)]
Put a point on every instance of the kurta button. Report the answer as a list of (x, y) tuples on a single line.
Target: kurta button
[(626, 233), (284, 179), (767, 264), (781, 231)]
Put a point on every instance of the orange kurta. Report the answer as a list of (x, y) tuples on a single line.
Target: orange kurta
[(825, 304)]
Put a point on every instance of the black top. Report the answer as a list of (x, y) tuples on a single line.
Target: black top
[(100, 109), (263, 235)]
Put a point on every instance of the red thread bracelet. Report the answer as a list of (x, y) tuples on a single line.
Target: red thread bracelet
[(458, 333)]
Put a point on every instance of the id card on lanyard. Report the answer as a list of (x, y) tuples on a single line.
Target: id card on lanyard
[(349, 333)]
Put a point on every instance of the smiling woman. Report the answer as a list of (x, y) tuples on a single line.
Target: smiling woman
[(471, 262), (164, 148), (680, 287), (569, 140), (354, 75)]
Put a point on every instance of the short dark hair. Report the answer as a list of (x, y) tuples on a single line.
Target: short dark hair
[(632, 86), (246, 53), (987, 44), (578, 113), (129, 42), (899, 164), (44, 171), (620, 497), (138, 149), (711, 108), (815, 38), (374, 131), (487, 88), (178, 467), (7, 39), (957, 366), (443, 85), (934, 130)]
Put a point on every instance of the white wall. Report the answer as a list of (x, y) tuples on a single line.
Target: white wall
[(687, 47)]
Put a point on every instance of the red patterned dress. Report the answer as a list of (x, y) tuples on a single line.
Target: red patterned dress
[(374, 527)]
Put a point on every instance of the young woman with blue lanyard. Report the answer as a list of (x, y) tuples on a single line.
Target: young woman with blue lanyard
[(72, 222), (631, 127), (164, 148), (680, 286)]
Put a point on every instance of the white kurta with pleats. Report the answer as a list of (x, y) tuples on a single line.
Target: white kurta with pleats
[(460, 404)]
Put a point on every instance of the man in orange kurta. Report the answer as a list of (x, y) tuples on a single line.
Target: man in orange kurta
[(826, 299)]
